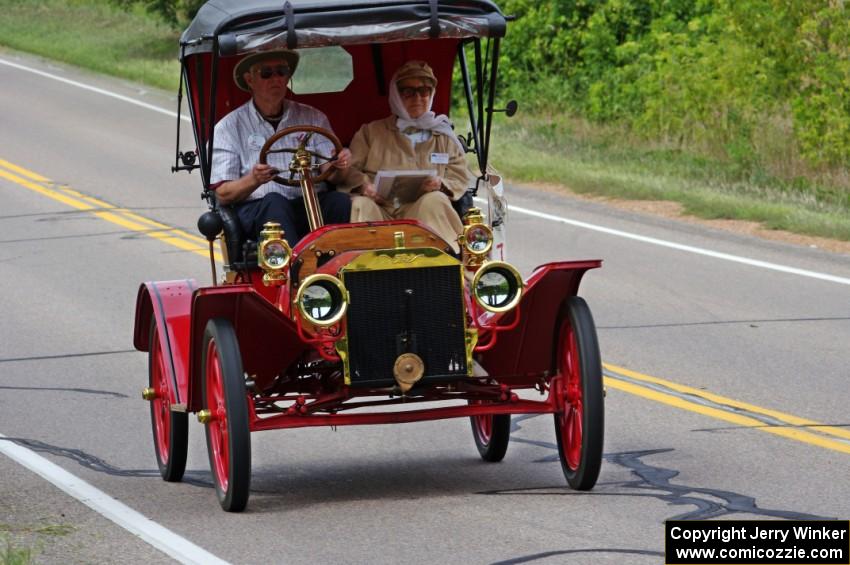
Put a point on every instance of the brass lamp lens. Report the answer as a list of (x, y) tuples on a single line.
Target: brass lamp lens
[(275, 254), (479, 239)]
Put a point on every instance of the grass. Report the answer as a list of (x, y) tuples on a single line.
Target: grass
[(55, 530), (586, 158), (95, 35), (12, 555)]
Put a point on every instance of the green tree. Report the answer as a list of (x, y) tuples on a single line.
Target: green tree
[(723, 76), (178, 13), (822, 102)]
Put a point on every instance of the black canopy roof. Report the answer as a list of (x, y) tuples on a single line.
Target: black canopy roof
[(248, 25)]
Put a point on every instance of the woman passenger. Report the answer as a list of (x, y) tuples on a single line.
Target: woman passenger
[(411, 138)]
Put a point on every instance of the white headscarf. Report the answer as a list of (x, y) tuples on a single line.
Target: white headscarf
[(427, 121)]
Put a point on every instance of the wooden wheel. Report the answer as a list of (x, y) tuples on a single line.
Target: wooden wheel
[(170, 429), (580, 421), (491, 434), (302, 148), (228, 432)]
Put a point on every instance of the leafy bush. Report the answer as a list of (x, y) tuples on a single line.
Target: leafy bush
[(722, 77)]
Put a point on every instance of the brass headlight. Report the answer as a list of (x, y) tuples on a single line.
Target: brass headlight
[(322, 300), (478, 239), (273, 254), (497, 286)]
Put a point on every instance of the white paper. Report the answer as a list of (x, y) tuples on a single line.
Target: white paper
[(401, 187)]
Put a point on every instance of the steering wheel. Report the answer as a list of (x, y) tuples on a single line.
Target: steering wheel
[(300, 152)]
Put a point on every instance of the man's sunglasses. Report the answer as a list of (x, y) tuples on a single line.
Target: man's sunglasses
[(411, 91), (279, 70)]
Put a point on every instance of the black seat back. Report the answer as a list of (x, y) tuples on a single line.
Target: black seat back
[(463, 204), (241, 251), (233, 236)]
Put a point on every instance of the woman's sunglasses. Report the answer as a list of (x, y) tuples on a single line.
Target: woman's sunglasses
[(411, 91), (279, 70)]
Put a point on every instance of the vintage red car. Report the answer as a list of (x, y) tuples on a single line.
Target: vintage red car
[(362, 323)]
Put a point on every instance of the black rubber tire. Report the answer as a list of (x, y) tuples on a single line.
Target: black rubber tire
[(577, 314), (234, 496), (492, 449), (173, 464)]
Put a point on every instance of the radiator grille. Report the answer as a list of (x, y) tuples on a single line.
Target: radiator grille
[(418, 310)]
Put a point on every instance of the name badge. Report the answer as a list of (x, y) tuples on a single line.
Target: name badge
[(440, 158), (256, 141)]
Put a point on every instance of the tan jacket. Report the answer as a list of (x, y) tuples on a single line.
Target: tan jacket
[(380, 145)]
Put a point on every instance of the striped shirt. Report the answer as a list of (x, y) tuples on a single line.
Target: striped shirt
[(241, 134)]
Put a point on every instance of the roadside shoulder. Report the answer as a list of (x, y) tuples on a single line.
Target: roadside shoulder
[(675, 211)]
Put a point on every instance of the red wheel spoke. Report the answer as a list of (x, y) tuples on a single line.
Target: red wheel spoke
[(573, 434), (483, 426), (169, 428), (218, 425), (227, 431), (571, 420), (161, 405), (491, 433)]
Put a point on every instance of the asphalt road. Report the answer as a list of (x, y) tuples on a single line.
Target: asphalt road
[(720, 365)]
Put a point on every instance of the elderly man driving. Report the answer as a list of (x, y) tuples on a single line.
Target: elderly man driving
[(237, 176)]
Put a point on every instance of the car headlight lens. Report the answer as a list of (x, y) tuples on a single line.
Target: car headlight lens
[(497, 287), (322, 300), (478, 239), (275, 254)]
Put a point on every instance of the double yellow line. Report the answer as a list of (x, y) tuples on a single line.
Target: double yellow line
[(104, 210), (645, 386), (726, 409)]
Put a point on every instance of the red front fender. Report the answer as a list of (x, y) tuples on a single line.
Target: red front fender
[(527, 349), (268, 340), (167, 304)]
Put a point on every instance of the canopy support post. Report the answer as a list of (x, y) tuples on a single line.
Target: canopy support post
[(210, 117), (494, 66), (177, 154), (470, 101)]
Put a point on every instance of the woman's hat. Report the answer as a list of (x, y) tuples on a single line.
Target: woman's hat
[(416, 69), (243, 66)]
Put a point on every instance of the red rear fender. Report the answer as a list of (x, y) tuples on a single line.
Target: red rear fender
[(528, 348), (167, 304)]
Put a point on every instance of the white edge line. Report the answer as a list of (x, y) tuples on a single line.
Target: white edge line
[(518, 209), (682, 247), (156, 535), (95, 89), (151, 532)]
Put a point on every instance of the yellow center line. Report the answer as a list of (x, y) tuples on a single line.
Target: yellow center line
[(21, 171), (795, 423), (45, 191), (155, 224), (104, 210)]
